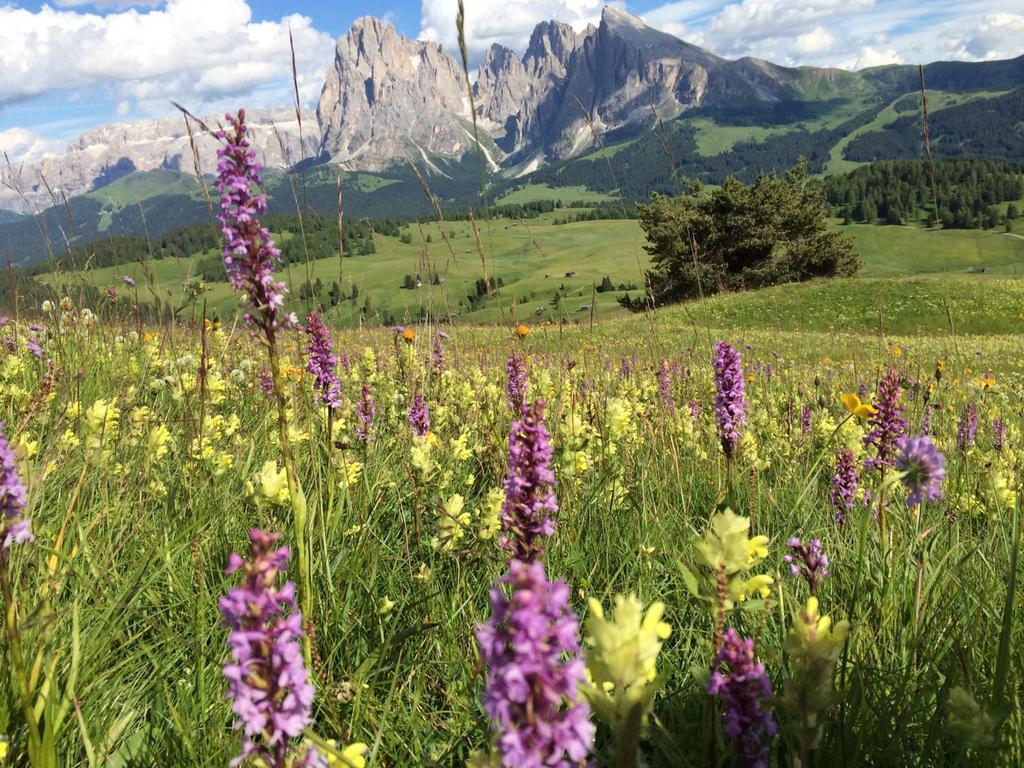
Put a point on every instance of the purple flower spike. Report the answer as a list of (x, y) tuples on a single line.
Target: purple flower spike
[(730, 406), (886, 427), (664, 375), (744, 691), (967, 428), (843, 491), (809, 561), (925, 469), (14, 529), (128, 281), (534, 672), (366, 409), (322, 362), (267, 678), (515, 366), (529, 487), (266, 382), (419, 416), (926, 418), (249, 252), (695, 412), (998, 434), (437, 356)]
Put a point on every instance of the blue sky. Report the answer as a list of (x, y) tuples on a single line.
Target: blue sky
[(69, 65)]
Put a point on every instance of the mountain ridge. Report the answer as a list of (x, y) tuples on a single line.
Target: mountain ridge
[(388, 100), (570, 97)]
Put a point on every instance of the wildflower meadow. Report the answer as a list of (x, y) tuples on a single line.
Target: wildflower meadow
[(269, 542)]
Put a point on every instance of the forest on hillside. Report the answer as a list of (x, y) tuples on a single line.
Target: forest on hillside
[(968, 193)]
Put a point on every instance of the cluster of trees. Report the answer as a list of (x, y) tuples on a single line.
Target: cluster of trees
[(335, 293), (320, 241), (599, 211), (607, 285), (482, 288), (900, 192), (984, 128), (741, 236), (411, 283), (528, 210)]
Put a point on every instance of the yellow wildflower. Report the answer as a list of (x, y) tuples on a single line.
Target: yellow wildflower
[(272, 483), (861, 410), (350, 757)]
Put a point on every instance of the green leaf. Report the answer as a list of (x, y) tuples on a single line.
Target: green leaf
[(689, 579)]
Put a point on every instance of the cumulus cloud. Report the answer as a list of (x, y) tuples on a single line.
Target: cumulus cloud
[(872, 57), (738, 25), (996, 36), (22, 145), (108, 4), (818, 40), (195, 51), (507, 22), (847, 33)]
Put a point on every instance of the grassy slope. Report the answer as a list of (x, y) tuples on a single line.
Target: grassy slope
[(937, 100), (141, 186), (533, 192), (522, 253)]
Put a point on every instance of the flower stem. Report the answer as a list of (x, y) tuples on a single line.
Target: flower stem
[(295, 494), (18, 660)]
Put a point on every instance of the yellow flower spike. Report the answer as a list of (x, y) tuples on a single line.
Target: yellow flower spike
[(621, 658), (725, 544), (490, 511), (814, 646), (853, 404), (273, 483)]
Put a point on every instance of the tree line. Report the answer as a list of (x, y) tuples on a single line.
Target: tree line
[(967, 193)]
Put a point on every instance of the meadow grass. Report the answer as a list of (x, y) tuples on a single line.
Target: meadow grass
[(532, 258), (120, 589), (568, 194)]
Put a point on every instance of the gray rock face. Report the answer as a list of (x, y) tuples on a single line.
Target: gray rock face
[(517, 98), (388, 99), (104, 154)]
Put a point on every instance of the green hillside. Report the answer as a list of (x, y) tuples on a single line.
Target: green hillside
[(532, 259)]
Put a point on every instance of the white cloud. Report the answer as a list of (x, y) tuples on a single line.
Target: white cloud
[(508, 22), (22, 145), (818, 40), (108, 4), (738, 25), (997, 36), (872, 57), (195, 51)]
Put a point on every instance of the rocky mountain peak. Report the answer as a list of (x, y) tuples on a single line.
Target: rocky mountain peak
[(387, 98), (552, 45), (106, 153)]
